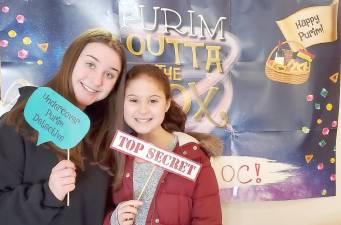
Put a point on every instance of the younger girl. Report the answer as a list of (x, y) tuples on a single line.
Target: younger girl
[(169, 198)]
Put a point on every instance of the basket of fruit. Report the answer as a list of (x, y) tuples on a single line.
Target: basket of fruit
[(286, 66)]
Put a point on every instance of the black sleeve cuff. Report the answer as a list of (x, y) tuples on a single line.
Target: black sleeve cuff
[(49, 199)]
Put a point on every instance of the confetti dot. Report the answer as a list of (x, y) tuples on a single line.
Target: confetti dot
[(317, 106), (334, 124), (3, 43), (334, 77), (20, 18), (332, 160), (40, 62), (334, 149), (43, 46), (320, 166), (310, 98), (308, 158), (319, 121), (324, 92), (325, 131), (329, 107), (305, 130), (324, 192), (322, 143), (333, 177), (12, 33), (5, 9), (26, 40), (22, 54)]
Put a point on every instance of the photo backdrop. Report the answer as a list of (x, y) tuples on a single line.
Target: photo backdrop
[(262, 75)]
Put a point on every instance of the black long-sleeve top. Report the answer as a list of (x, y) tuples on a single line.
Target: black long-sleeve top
[(25, 198)]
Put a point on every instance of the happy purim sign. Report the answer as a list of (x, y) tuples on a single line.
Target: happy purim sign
[(312, 25), (55, 119), (170, 161)]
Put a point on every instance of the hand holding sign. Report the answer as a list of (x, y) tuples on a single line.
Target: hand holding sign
[(56, 120), (168, 160)]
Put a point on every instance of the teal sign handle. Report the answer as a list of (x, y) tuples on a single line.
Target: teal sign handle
[(55, 118)]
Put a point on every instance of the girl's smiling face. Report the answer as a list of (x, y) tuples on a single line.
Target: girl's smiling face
[(95, 73), (145, 105)]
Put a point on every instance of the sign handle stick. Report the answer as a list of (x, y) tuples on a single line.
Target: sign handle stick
[(68, 194), (145, 185)]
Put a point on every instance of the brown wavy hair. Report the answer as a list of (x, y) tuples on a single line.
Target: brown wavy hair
[(105, 117), (175, 117)]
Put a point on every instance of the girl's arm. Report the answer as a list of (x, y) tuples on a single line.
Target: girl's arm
[(20, 202)]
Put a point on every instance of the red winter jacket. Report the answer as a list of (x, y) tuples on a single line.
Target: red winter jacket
[(177, 200)]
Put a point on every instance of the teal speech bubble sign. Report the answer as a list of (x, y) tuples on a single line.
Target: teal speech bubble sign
[(55, 118)]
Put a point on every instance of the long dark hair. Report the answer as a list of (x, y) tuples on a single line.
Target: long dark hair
[(175, 117), (105, 117)]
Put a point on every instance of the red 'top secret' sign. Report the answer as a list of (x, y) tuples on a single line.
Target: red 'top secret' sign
[(170, 161)]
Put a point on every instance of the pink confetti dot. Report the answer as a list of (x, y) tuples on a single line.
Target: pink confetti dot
[(333, 177), (5, 9), (3, 43), (20, 18), (334, 124), (310, 98), (22, 54), (325, 131), (320, 166)]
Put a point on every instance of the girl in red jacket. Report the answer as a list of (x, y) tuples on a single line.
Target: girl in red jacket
[(169, 199)]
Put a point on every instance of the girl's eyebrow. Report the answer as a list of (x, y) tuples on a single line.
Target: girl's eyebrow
[(97, 60), (131, 95), (134, 95), (158, 96), (93, 57)]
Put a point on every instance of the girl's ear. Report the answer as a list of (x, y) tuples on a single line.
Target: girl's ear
[(169, 101)]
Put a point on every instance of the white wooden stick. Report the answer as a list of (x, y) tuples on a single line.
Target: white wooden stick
[(68, 194), (145, 185)]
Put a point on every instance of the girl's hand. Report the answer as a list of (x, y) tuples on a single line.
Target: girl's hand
[(127, 211), (62, 179)]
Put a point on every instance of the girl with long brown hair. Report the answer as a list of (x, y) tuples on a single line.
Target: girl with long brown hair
[(34, 180), (169, 198)]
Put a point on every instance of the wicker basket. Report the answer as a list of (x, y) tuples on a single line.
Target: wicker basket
[(282, 75)]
